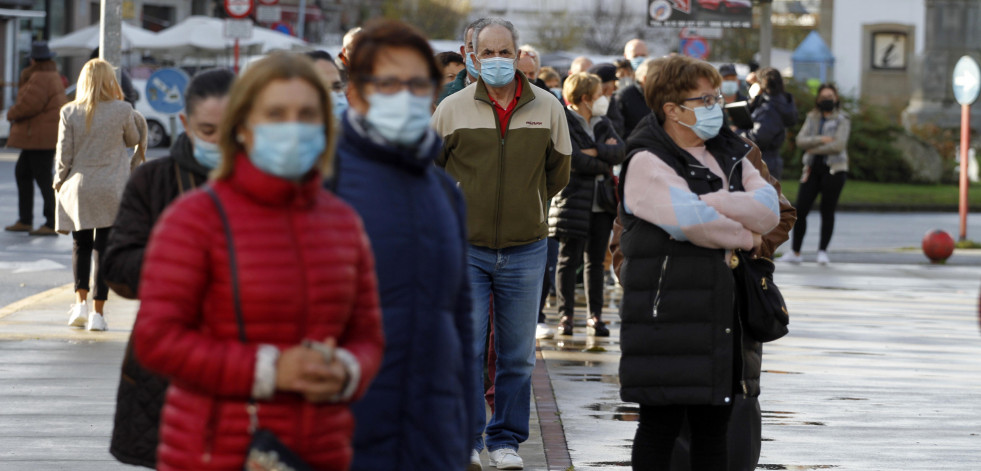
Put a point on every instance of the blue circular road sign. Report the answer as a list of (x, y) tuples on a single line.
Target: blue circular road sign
[(695, 46), (967, 80), (165, 90)]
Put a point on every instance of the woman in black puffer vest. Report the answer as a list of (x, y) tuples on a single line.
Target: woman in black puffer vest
[(575, 218), (690, 198)]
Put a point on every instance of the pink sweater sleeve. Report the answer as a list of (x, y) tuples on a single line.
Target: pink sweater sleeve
[(655, 193), (757, 208)]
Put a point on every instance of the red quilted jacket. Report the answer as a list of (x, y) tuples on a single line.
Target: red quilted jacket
[(305, 271)]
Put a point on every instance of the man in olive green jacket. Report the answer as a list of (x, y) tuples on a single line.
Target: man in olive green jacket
[(507, 144)]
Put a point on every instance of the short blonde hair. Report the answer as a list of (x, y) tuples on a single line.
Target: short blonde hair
[(580, 85), (670, 79), (547, 73), (241, 98), (96, 83)]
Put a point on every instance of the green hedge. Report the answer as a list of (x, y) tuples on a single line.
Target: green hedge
[(871, 155)]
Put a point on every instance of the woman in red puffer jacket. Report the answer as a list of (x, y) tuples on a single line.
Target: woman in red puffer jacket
[(305, 273)]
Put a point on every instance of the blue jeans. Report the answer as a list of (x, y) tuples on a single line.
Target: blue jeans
[(514, 277)]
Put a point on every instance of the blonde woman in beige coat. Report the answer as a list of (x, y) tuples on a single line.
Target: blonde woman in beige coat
[(93, 165)]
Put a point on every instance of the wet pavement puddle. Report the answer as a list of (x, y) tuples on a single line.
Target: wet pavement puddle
[(607, 464), (591, 378), (615, 412), (781, 418), (794, 467)]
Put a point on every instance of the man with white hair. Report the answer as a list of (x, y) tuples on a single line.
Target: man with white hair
[(343, 58), (507, 144), (469, 73), (629, 101)]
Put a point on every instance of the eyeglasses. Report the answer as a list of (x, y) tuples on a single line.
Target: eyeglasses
[(338, 86), (390, 85), (709, 100)]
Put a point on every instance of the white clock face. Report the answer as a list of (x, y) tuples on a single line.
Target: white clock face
[(889, 50)]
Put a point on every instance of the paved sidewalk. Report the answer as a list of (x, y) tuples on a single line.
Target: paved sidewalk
[(58, 387), (881, 371)]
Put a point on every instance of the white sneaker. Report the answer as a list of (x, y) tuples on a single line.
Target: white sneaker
[(822, 258), (475, 461), (791, 257), (78, 314), (506, 458), (543, 331), (96, 322)]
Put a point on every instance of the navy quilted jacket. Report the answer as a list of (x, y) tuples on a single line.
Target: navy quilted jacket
[(416, 414)]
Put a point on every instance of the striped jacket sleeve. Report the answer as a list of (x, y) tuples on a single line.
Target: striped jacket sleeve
[(657, 194), (757, 208)]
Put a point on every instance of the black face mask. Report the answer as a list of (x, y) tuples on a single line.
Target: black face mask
[(826, 105)]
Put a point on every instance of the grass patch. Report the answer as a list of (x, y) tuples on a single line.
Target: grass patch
[(967, 244), (905, 196)]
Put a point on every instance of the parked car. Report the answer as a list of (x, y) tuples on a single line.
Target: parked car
[(159, 132), (722, 6), (158, 124)]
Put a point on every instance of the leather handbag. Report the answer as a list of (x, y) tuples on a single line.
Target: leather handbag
[(763, 310), (266, 451), (606, 194)]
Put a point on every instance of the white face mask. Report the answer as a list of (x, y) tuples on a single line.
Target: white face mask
[(601, 106)]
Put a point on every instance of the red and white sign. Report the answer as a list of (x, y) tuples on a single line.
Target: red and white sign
[(683, 6), (268, 2), (238, 8)]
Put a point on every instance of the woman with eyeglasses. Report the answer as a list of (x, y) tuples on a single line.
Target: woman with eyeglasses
[(690, 199), (773, 111), (416, 414), (258, 293)]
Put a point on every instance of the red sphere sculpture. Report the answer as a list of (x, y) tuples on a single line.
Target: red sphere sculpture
[(938, 246)]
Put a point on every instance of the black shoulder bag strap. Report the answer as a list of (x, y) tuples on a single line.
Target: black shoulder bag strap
[(265, 448), (232, 262)]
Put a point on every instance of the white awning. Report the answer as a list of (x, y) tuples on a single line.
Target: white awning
[(11, 13)]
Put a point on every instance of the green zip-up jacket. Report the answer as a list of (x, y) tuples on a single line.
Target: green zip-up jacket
[(506, 182)]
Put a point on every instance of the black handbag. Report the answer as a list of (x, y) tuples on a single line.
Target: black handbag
[(606, 194), (763, 310), (266, 451)]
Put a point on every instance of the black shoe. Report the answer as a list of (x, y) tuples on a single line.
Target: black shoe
[(565, 326), (598, 327)]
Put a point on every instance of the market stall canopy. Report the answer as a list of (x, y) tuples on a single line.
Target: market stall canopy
[(198, 34), (83, 41)]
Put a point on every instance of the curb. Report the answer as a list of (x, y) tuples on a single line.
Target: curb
[(21, 304), (553, 434)]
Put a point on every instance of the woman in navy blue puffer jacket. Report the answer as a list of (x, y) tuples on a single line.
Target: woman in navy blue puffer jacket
[(773, 111), (416, 414)]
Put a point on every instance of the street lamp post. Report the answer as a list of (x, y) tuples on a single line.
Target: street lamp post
[(111, 33), (766, 32)]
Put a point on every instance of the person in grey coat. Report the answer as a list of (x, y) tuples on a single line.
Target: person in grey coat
[(93, 165)]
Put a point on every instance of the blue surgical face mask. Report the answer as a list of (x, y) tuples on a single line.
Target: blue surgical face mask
[(471, 68), (730, 87), (707, 121), (557, 92), (206, 153), (497, 71), (636, 61), (340, 103), (287, 150), (401, 118)]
